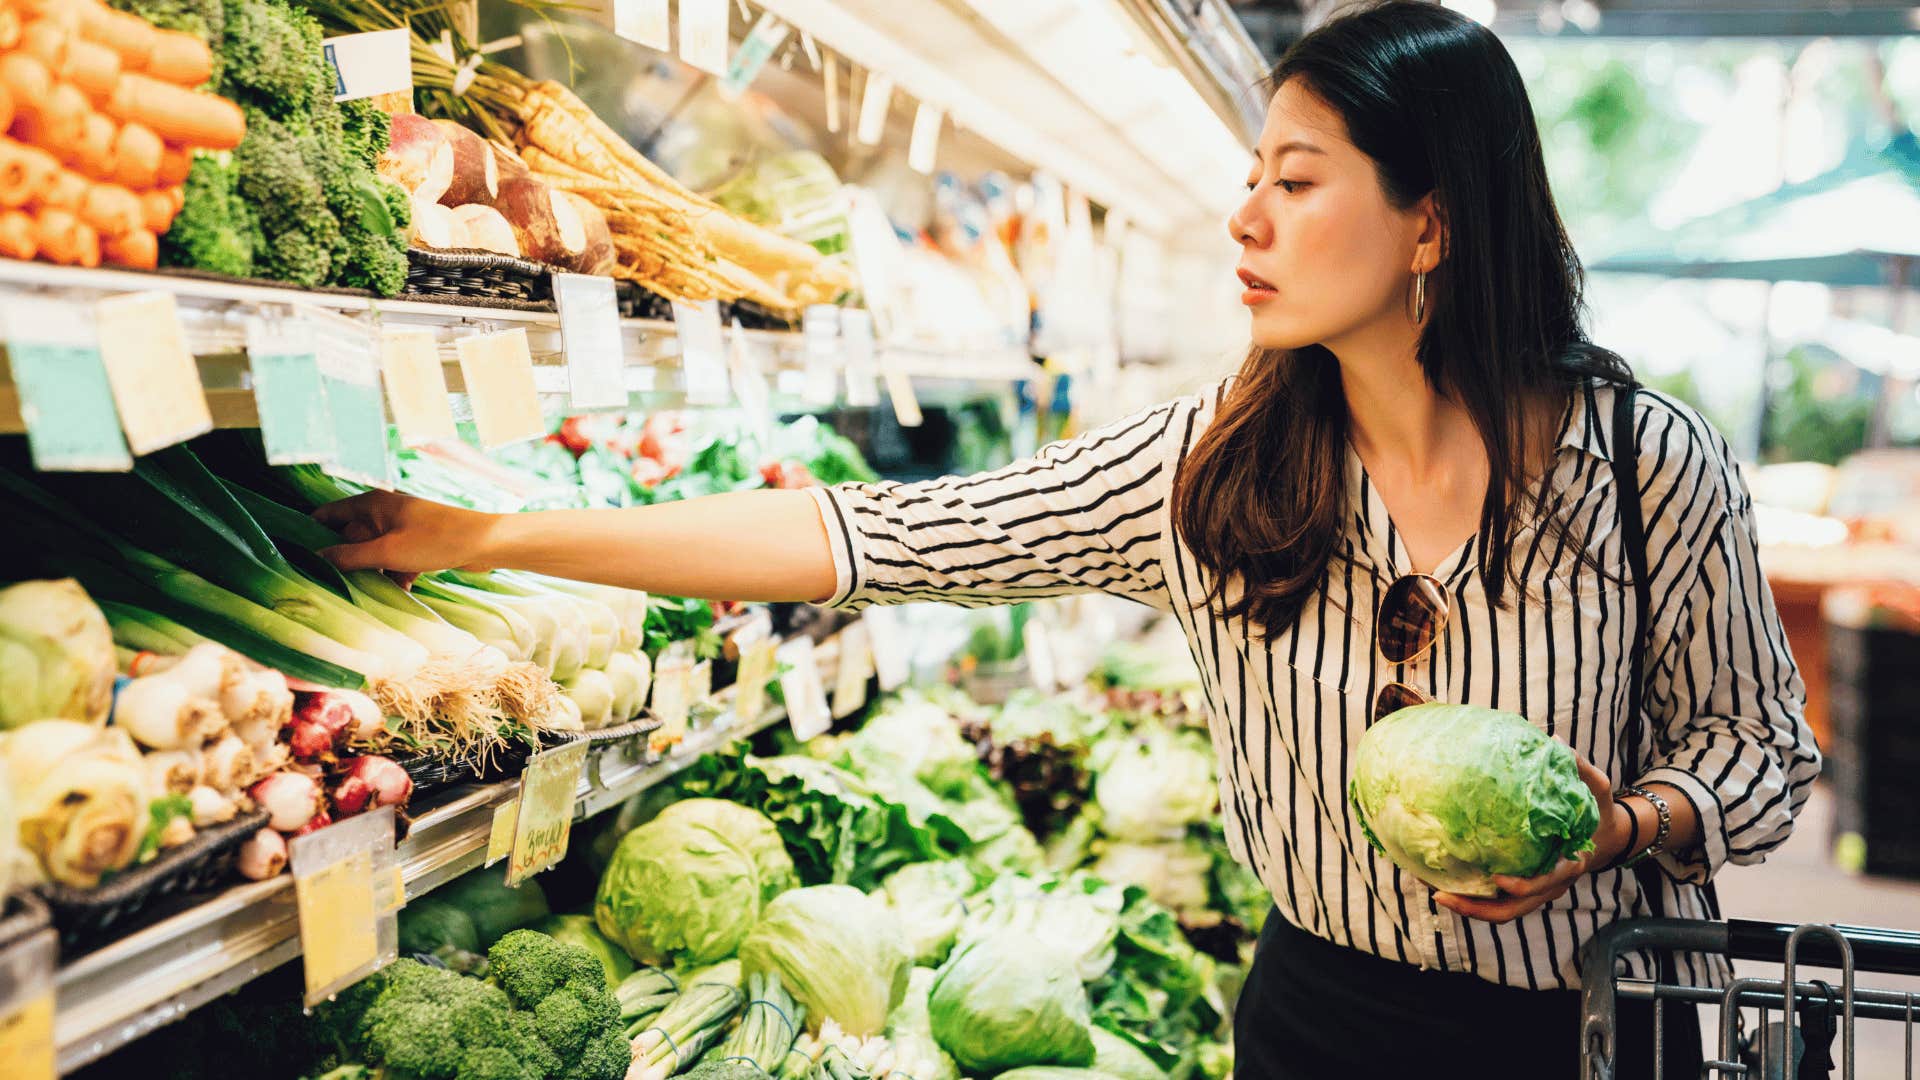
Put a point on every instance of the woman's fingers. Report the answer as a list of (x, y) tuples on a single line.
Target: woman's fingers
[(1493, 911)]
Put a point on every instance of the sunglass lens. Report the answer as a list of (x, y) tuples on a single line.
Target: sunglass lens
[(1396, 696), (1410, 617)]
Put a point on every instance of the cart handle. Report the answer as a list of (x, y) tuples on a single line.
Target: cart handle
[(1888, 952)]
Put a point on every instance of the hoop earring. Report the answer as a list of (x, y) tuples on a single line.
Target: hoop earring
[(1419, 296)]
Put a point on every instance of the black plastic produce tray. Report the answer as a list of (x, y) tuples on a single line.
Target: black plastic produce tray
[(205, 863), (479, 277)]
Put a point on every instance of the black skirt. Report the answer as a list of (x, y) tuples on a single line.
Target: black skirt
[(1314, 1010)]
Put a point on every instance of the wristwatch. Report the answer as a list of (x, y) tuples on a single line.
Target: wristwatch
[(1665, 815)]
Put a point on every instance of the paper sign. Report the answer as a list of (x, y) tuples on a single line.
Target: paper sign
[(643, 22), (863, 377), (906, 403), (156, 384), (416, 385), (766, 37), (800, 685), (874, 104), (26, 1007), (820, 332), (703, 34), (500, 834), (287, 392), (1041, 663), (924, 151), (672, 689), (830, 86), (545, 819), (699, 683), (377, 62), (855, 668), (498, 371), (354, 407), (590, 336), (750, 681), (65, 399), (749, 379), (892, 654), (342, 882), (703, 352)]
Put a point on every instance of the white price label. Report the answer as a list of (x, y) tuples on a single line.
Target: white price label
[(863, 376), (874, 104), (923, 153), (673, 690), (830, 86), (590, 334), (766, 37), (906, 403), (498, 371), (703, 352), (416, 385), (820, 330), (643, 22), (703, 34), (855, 668), (156, 384), (892, 653), (376, 62), (800, 685), (751, 678), (749, 376), (1041, 663)]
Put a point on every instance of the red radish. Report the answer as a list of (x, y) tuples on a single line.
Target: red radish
[(487, 229), (548, 227), (320, 821), (263, 856), (476, 176), (596, 256), (418, 158), (647, 472), (664, 439), (434, 227), (326, 721), (290, 799), (369, 782)]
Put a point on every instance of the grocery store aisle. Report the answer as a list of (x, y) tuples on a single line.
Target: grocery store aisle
[(1799, 883)]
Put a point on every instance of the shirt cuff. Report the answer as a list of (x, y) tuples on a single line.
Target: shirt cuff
[(840, 540), (1698, 865)]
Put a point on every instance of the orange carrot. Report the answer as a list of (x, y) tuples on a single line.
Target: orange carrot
[(94, 153), (136, 157), (66, 14), (137, 248), (179, 58), (25, 173), (178, 115), (46, 42), (27, 79), (112, 209), (128, 35), (95, 69), (177, 195), (9, 28), (64, 238), (57, 124), (175, 163), (16, 235), (66, 190), (6, 109), (158, 209)]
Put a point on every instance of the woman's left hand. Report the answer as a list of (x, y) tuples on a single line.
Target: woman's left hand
[(1523, 895)]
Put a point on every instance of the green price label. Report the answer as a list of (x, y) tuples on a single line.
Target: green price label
[(359, 431), (292, 400), (68, 408)]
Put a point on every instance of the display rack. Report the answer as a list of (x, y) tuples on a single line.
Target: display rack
[(124, 990)]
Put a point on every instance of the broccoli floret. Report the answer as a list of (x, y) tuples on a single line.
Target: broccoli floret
[(215, 229), (563, 989), (367, 130), (431, 1024), (493, 1063), (373, 250), (606, 1057), (278, 179), (271, 58), (529, 966)]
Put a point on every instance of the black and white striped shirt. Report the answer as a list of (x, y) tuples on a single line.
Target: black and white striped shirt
[(1724, 700)]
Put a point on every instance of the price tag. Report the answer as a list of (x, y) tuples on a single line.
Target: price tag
[(1041, 663), (863, 377), (498, 371), (287, 392), (590, 336), (906, 403), (156, 384), (703, 352), (800, 685), (643, 22), (354, 406), (766, 37), (874, 104), (545, 819), (377, 62), (699, 683), (673, 689), (749, 377), (416, 385), (703, 34), (26, 1008), (342, 883), (500, 835), (65, 399), (830, 87), (750, 683), (924, 151), (892, 656), (855, 668), (820, 333)]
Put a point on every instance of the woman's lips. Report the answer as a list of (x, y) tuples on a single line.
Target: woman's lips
[(1257, 289)]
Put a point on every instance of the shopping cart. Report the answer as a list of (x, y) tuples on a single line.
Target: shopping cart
[(1814, 1008)]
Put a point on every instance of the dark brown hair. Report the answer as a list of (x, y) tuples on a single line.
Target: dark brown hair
[(1433, 98)]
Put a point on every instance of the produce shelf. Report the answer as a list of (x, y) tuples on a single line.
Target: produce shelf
[(122, 991), (214, 312)]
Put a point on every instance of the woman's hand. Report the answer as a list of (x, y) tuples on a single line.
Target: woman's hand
[(398, 533), (1524, 895)]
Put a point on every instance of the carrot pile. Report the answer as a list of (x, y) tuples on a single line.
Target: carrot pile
[(101, 120)]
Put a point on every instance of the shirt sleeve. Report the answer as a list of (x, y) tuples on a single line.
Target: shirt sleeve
[(1725, 700), (1084, 515)]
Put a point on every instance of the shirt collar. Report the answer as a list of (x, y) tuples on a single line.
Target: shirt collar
[(1582, 426)]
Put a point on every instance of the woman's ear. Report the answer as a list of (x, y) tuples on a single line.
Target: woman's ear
[(1430, 242)]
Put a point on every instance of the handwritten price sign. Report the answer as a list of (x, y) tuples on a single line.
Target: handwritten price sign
[(545, 820)]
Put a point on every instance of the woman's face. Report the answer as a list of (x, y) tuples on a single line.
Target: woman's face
[(1325, 257)]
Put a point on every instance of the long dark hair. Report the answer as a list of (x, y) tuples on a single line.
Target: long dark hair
[(1433, 98)]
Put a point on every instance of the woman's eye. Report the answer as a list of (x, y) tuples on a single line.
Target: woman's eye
[(1289, 186)]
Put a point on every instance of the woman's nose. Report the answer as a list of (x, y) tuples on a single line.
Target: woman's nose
[(1247, 226)]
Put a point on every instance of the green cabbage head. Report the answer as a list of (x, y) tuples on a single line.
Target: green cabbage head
[(1455, 794), (1008, 1000), (688, 885), (839, 952)]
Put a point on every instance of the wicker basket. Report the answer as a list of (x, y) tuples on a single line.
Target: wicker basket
[(479, 277), (432, 772), (202, 864)]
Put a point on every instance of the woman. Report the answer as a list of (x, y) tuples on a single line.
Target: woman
[(1404, 495)]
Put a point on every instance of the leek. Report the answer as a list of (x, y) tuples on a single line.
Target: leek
[(145, 631), (479, 614)]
